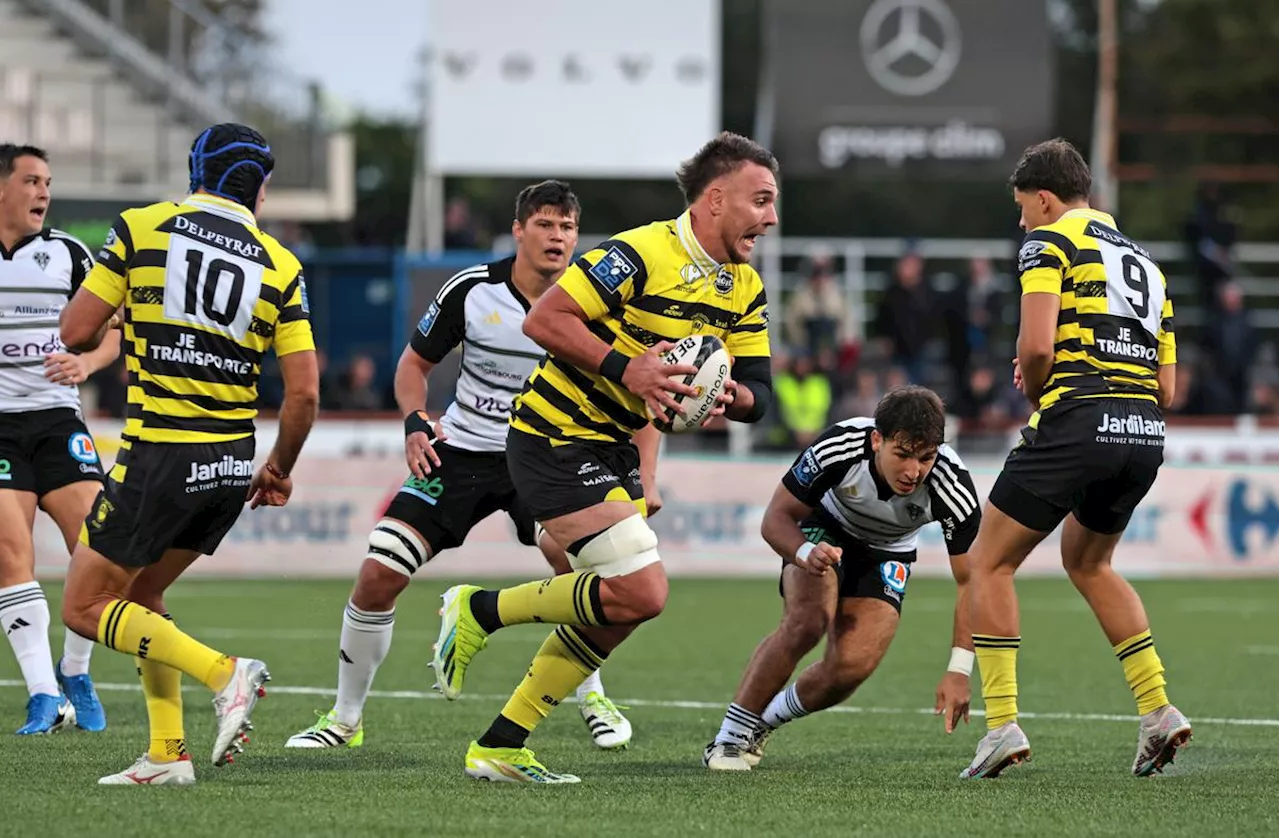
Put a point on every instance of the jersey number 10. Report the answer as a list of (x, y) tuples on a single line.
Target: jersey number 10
[(209, 287)]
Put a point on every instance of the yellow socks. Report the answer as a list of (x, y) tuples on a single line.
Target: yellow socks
[(569, 599), (564, 661), (1143, 671), (162, 688), (128, 627), (998, 664)]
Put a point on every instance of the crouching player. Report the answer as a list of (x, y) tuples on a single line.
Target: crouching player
[(844, 520)]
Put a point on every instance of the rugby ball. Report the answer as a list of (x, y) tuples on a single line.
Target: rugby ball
[(708, 354)]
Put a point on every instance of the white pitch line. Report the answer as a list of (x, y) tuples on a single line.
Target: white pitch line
[(698, 705)]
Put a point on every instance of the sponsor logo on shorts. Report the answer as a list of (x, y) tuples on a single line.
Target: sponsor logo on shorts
[(426, 489), (80, 446), (807, 470), (100, 513), (228, 471), (600, 478), (895, 575), (5, 470), (587, 468), (1132, 429)]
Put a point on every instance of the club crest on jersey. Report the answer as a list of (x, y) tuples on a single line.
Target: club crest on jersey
[(613, 269), (81, 448), (807, 470), (895, 575), (724, 282), (42, 259), (424, 325)]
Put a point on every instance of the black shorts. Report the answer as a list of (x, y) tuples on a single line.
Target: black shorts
[(43, 450), (557, 479), (864, 571), (468, 487), (178, 495), (1070, 462)]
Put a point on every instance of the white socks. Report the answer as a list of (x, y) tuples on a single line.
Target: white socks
[(785, 707), (75, 654), (24, 618), (366, 637), (738, 727), (591, 685)]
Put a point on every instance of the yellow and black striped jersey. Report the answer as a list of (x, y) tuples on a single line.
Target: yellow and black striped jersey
[(646, 285), (1115, 325), (205, 295)]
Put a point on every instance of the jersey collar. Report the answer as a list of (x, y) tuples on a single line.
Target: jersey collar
[(221, 207), (1091, 213), (701, 259)]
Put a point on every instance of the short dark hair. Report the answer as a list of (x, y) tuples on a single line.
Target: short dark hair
[(913, 416), (9, 154), (1054, 166), (549, 193), (719, 157)]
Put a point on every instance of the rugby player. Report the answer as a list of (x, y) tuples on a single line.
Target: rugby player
[(205, 295), (844, 520), (459, 477), (1096, 360), (605, 325), (47, 456)]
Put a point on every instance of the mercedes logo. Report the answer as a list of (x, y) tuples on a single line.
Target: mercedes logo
[(902, 56)]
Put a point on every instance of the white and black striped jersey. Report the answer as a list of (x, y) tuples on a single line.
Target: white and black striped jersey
[(481, 309), (37, 278), (837, 472)]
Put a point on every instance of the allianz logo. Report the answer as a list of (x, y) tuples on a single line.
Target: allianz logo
[(228, 466)]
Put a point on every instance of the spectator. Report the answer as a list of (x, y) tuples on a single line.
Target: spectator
[(803, 395), (866, 393), (973, 312), (1263, 400), (817, 316), (357, 390), (1230, 341), (459, 230), (1210, 235), (982, 402), (905, 316)]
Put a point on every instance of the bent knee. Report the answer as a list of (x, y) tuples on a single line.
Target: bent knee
[(802, 632), (650, 601), (627, 547)]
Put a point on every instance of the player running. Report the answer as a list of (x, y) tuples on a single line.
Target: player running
[(605, 325), (205, 294), (845, 520), (1096, 359), (459, 478), (47, 456)]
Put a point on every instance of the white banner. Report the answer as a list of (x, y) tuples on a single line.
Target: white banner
[(572, 87), (1197, 521)]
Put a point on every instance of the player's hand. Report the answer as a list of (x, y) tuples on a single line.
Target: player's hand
[(951, 700), (652, 499), (419, 453), (268, 489), (66, 369), (117, 320), (727, 397), (653, 380), (821, 558), (1017, 377)]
